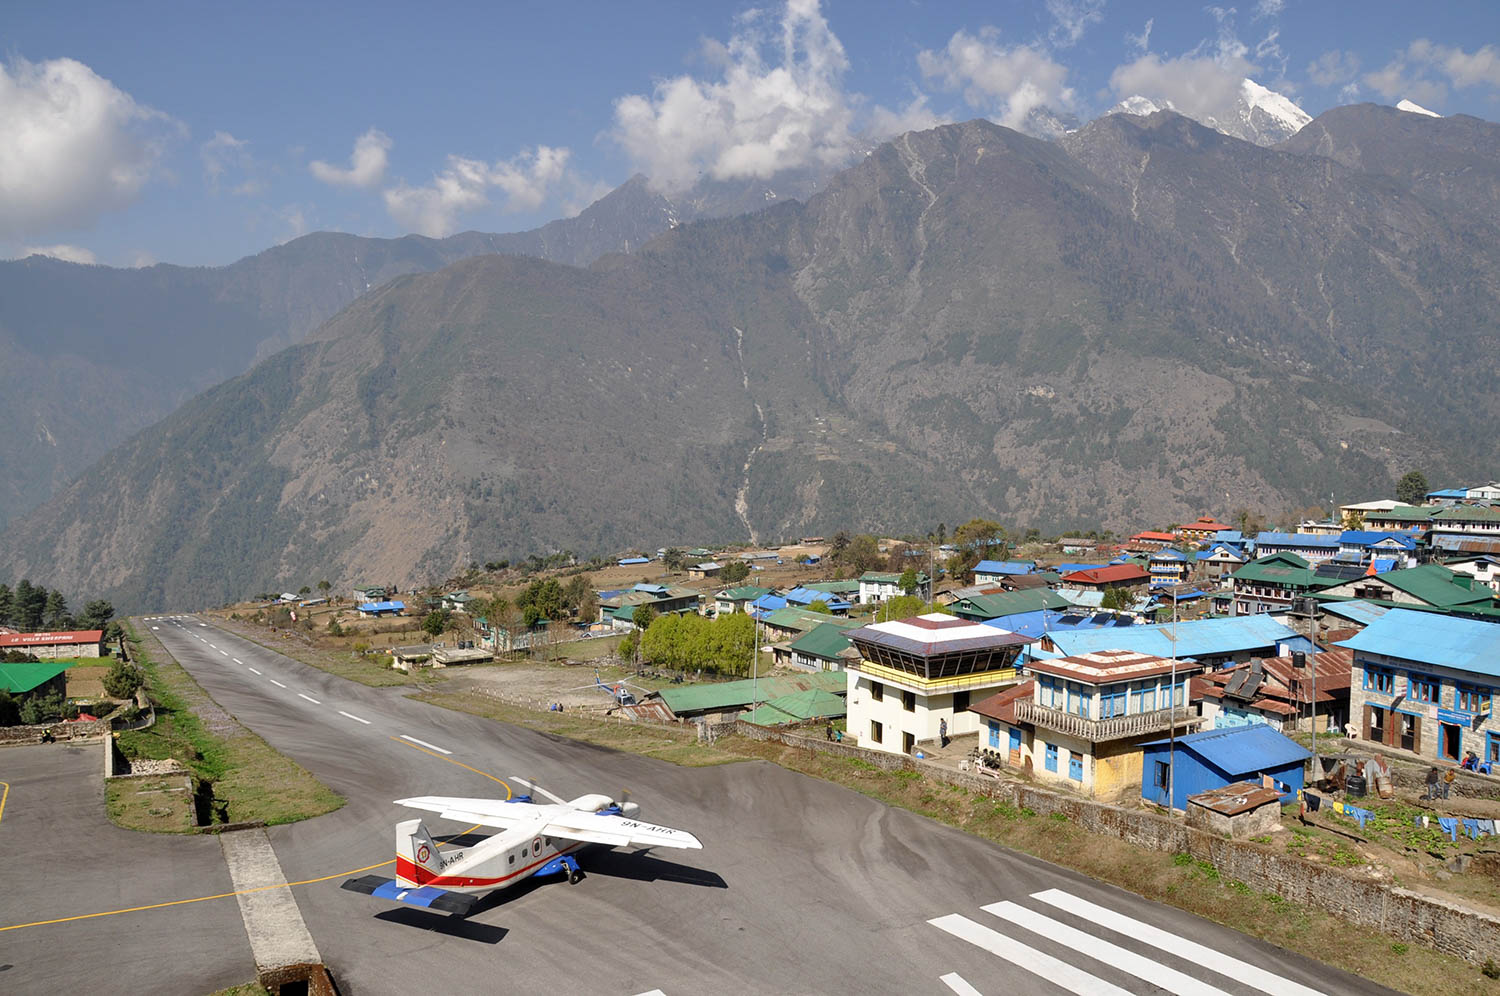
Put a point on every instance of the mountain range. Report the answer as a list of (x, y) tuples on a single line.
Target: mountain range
[(1143, 321)]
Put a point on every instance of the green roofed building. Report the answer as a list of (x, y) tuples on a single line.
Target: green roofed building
[(978, 608), (735, 599), (791, 622), (798, 707), (848, 589), (822, 648), (1431, 585), (734, 697), (35, 676), (1270, 583)]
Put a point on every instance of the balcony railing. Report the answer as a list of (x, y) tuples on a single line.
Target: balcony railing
[(1100, 730)]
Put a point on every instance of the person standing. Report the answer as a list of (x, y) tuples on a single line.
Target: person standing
[(1432, 783), (943, 732), (1449, 777)]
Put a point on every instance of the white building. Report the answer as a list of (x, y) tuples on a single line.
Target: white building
[(913, 674), (875, 587), (1483, 568)]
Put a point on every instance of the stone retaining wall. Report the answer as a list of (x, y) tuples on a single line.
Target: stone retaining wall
[(87, 730), (1447, 926)]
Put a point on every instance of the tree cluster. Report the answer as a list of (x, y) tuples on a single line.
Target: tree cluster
[(691, 642), (31, 607)]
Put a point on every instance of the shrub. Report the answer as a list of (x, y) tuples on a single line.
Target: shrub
[(38, 709), (122, 680)]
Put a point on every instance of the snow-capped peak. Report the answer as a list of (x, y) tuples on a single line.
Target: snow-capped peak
[(1139, 105), (1278, 108), (1414, 108)]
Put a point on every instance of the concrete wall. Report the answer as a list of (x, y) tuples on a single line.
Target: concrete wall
[(1447, 926), (60, 731)]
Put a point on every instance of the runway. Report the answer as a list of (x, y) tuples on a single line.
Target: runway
[(802, 886)]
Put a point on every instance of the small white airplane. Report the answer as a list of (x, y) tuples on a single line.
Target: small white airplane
[(534, 839)]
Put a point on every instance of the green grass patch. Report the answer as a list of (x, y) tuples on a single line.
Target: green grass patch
[(247, 780), (372, 669), (155, 805)]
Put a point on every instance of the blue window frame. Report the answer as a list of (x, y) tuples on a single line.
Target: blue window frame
[(1159, 774), (1492, 748), (1015, 739), (1421, 687), (1145, 699), (1051, 761), (994, 734), (1471, 698), (1112, 701), (1075, 767), (1081, 698), (1380, 679)]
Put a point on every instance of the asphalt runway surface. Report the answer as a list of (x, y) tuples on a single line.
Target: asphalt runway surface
[(802, 886)]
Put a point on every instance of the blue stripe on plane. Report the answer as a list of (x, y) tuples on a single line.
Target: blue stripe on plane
[(423, 896)]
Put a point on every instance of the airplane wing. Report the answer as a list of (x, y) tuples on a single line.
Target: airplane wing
[(598, 828), (486, 812)]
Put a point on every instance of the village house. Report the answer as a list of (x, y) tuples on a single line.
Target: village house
[(1365, 544), (1424, 682), (802, 598), (876, 587), (372, 610), (1205, 530), (825, 647), (371, 593), (1176, 769), (1311, 547), (1484, 568), (1430, 586), (790, 622), (1220, 560), (732, 600), (1086, 717), (457, 601), (662, 599), (1272, 583), (706, 569), (70, 643), (1451, 528), (1127, 576), (1168, 566), (992, 571), (917, 673), (1281, 692), (1149, 541), (998, 604), (1214, 642), (1402, 519)]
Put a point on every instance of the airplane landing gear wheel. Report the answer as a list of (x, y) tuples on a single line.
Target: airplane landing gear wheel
[(575, 875)]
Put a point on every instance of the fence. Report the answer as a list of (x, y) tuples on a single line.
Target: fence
[(1447, 926)]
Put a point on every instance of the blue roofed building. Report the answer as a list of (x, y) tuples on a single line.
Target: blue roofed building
[(1213, 642), (1312, 547), (990, 571), (382, 609), (1168, 566), (1212, 759), (1362, 544), (1424, 682), (803, 597)]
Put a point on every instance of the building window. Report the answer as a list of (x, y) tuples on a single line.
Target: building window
[(1075, 767), (1145, 699), (877, 692), (1471, 698), (1051, 761), (1380, 679), (909, 701), (1421, 687), (1112, 701), (1082, 699), (1492, 748), (960, 702), (877, 732), (994, 734), (1159, 774)]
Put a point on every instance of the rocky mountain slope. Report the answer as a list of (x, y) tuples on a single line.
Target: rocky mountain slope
[(1147, 321), (91, 354)]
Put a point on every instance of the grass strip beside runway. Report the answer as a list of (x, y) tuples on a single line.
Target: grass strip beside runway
[(249, 780)]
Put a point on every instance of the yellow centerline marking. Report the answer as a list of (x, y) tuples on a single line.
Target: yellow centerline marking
[(245, 892), (440, 757)]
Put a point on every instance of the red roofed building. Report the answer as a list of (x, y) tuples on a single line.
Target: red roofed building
[(1149, 542), (1113, 576), (1204, 530), (73, 643)]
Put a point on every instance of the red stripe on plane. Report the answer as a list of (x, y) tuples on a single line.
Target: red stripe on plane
[(408, 871)]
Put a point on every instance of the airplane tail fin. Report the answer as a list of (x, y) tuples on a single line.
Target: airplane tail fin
[(417, 861)]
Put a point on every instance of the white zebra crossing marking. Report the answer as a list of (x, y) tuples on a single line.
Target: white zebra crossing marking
[(1038, 963), (1125, 960), (958, 984), (1183, 948)]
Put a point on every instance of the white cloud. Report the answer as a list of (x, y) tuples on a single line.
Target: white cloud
[(140, 259), (1200, 86), (1268, 8), (1142, 41), (1464, 69), (293, 223), (224, 153), (72, 146), (1071, 18), (366, 164), (464, 185), (1426, 69), (70, 254), (915, 116), (1005, 82), (1333, 68), (777, 104)]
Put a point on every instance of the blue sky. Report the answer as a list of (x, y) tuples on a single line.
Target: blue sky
[(197, 134)]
